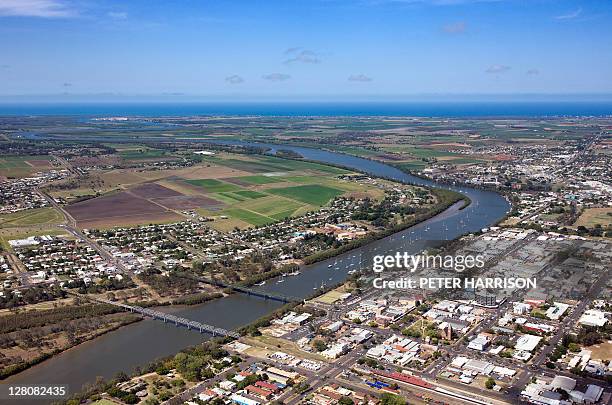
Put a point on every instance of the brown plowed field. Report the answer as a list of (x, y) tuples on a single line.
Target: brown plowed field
[(152, 190), (118, 209), (186, 202)]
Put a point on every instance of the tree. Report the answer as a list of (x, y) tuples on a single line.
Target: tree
[(490, 383), (319, 345), (391, 399), (345, 401)]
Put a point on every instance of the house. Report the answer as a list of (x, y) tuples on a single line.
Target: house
[(527, 343), (242, 400), (479, 343), (258, 391), (593, 317)]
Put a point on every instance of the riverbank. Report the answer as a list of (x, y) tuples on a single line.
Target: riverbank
[(449, 198), (117, 351), (19, 367)]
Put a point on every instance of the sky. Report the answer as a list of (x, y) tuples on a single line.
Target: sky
[(317, 49)]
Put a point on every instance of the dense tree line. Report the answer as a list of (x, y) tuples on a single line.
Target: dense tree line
[(30, 319)]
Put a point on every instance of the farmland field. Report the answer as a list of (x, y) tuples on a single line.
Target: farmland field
[(592, 216), (214, 186), (258, 179), (310, 194), (22, 166), (141, 154), (31, 217), (251, 217), (118, 209)]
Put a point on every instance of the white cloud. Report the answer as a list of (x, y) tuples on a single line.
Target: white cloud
[(497, 69), (118, 15), (36, 8), (299, 55), (533, 72), (234, 79), (276, 77), (359, 78), (570, 16)]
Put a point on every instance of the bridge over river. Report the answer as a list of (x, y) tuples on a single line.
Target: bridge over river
[(169, 318), (273, 296)]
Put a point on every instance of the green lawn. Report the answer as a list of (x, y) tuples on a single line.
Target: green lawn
[(36, 216), (214, 186), (314, 194), (252, 218)]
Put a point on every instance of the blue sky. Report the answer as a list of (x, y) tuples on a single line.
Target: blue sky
[(292, 49)]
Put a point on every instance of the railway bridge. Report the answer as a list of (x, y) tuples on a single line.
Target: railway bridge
[(249, 291)]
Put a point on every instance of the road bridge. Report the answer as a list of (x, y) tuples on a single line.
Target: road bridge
[(169, 318)]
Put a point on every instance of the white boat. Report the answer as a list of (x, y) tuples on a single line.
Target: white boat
[(262, 283), (282, 280), (330, 266)]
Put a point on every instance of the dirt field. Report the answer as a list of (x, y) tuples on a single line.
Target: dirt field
[(152, 190), (602, 351), (186, 202), (592, 216), (118, 209), (38, 163)]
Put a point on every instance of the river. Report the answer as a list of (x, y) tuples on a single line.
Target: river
[(142, 342)]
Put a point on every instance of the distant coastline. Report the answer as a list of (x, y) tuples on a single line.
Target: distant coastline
[(449, 109)]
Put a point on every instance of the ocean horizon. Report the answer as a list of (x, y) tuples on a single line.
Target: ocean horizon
[(460, 109)]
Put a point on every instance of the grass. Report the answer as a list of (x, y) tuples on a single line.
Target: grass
[(416, 165), (270, 204), (283, 214), (7, 234), (267, 164), (36, 216), (141, 154), (331, 296), (103, 402), (250, 194), (251, 217), (258, 179), (17, 166), (214, 186), (287, 346), (313, 194), (228, 198), (592, 216)]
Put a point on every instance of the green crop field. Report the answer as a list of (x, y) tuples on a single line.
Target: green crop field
[(141, 154), (310, 193), (271, 205), (250, 194), (17, 166), (214, 186), (228, 198), (415, 165), (252, 218), (259, 179)]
